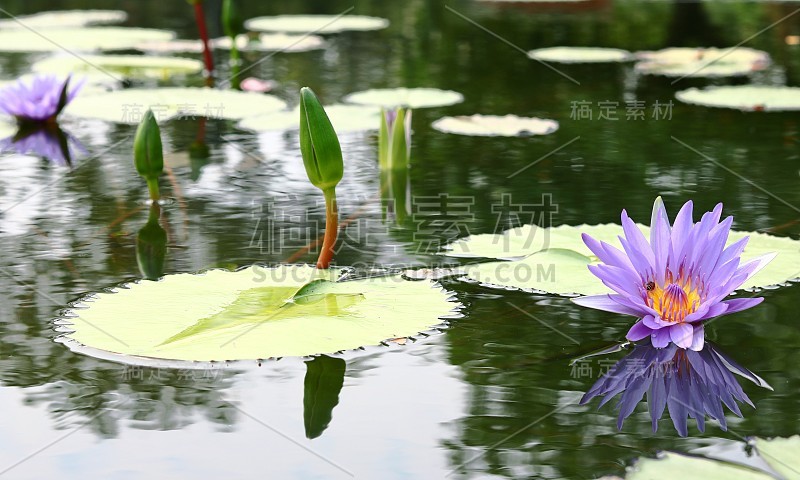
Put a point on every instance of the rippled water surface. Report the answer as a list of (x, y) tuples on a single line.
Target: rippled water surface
[(494, 395)]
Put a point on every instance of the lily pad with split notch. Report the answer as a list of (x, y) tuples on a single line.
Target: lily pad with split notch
[(293, 310), (750, 98), (316, 24), (581, 55), (536, 258), (79, 39)]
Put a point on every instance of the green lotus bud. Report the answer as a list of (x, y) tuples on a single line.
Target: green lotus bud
[(322, 154), (151, 246), (232, 22), (148, 154), (394, 139)]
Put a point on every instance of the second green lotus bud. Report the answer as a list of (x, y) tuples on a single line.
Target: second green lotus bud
[(148, 153), (322, 154)]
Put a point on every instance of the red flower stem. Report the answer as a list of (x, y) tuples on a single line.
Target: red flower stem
[(200, 18), (331, 229)]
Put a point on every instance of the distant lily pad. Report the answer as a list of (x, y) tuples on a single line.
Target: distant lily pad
[(782, 454), (267, 42), (127, 66), (318, 24), (494, 125), (580, 55), (127, 106), (65, 19), (555, 259), (405, 97), (254, 313), (750, 98), (702, 62), (7, 127), (79, 39), (345, 118)]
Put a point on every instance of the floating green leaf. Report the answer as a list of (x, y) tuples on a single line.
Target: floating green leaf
[(580, 55), (345, 118), (319, 24), (779, 454), (127, 106), (674, 465), (323, 383), (753, 98), (79, 39), (405, 97), (252, 313), (702, 62), (127, 66), (65, 19), (495, 125), (540, 261)]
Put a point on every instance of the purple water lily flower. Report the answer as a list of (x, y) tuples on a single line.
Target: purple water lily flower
[(691, 384), (676, 280), (41, 100)]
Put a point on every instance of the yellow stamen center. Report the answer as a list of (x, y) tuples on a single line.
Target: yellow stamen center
[(674, 301)]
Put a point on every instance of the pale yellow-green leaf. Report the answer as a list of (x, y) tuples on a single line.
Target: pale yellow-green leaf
[(514, 244), (65, 19), (318, 24), (79, 39), (495, 125), (126, 66), (744, 97), (580, 55), (254, 313), (702, 62), (782, 454), (405, 97), (127, 106), (683, 467)]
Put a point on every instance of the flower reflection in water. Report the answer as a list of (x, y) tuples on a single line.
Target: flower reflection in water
[(690, 384), (48, 141)]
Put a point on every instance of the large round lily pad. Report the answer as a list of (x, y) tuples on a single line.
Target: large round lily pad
[(555, 259), (315, 23), (65, 19), (79, 39), (580, 55), (345, 118), (702, 62), (292, 310), (495, 125), (127, 66), (405, 97), (127, 106), (744, 97)]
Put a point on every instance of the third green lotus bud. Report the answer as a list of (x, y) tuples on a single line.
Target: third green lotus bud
[(148, 154), (322, 154)]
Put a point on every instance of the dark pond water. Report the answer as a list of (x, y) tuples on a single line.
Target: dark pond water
[(493, 396)]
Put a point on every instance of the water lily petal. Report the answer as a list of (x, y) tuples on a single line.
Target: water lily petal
[(682, 334), (660, 338), (698, 338), (638, 331), (605, 303)]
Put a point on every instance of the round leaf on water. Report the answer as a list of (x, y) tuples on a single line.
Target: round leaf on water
[(752, 98), (405, 97), (7, 128), (702, 62), (494, 125), (319, 24), (254, 313), (127, 66), (345, 118), (65, 19), (534, 272), (782, 454), (127, 106), (79, 39), (674, 465), (580, 55)]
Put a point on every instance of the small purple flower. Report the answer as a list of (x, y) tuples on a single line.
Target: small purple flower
[(676, 280), (691, 384), (41, 100)]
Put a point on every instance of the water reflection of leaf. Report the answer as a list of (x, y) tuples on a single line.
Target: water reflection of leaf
[(323, 382)]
